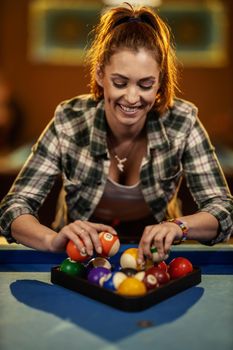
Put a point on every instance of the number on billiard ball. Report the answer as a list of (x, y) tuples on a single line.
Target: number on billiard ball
[(110, 244), (160, 275)]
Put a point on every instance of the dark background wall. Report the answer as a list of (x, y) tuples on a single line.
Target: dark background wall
[(40, 87)]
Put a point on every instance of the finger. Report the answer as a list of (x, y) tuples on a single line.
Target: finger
[(87, 233), (71, 233), (93, 235), (145, 243), (102, 227), (168, 242), (159, 242)]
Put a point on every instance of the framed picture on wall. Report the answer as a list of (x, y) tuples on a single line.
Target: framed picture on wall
[(59, 30), (199, 30)]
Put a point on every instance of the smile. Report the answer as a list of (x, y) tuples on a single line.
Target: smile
[(129, 110)]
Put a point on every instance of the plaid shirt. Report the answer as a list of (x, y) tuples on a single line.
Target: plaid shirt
[(74, 145)]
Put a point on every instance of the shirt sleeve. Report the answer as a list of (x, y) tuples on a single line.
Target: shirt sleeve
[(206, 180), (34, 181)]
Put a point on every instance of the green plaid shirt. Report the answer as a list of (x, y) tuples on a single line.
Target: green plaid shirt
[(74, 145)]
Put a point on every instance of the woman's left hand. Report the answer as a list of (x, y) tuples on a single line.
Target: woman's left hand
[(161, 236)]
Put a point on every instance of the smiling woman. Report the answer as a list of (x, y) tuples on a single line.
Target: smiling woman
[(122, 152)]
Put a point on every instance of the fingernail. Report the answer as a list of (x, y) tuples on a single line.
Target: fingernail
[(83, 250), (99, 250)]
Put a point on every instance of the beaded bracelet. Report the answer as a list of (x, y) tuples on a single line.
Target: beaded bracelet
[(183, 226)]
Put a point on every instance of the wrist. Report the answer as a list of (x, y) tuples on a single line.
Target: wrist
[(183, 226)]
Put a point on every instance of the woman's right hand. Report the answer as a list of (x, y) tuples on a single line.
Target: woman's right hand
[(84, 234)]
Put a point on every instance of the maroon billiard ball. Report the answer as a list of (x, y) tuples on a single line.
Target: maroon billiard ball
[(179, 267), (161, 276), (150, 281), (162, 265)]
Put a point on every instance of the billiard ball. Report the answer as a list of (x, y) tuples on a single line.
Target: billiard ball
[(179, 267), (162, 265), (129, 271), (72, 267), (129, 259), (110, 244), (98, 262), (75, 254), (150, 281), (132, 287), (155, 256), (162, 276), (140, 275), (113, 280), (97, 275)]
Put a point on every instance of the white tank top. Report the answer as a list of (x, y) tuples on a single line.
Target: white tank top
[(122, 202)]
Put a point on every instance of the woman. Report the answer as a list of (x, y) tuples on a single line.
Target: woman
[(122, 152)]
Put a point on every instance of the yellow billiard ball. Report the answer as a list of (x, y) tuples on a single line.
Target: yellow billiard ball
[(129, 259), (132, 287)]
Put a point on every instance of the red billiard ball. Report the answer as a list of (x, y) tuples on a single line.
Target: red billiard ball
[(179, 267), (161, 276), (72, 268), (110, 244), (74, 254)]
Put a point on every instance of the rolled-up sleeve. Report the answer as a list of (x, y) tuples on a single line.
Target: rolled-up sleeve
[(33, 183), (206, 180)]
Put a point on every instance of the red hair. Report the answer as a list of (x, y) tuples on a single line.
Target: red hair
[(135, 28)]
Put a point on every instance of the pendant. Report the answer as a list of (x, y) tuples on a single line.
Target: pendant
[(120, 163)]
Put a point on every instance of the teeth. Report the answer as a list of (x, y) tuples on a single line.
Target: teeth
[(129, 109)]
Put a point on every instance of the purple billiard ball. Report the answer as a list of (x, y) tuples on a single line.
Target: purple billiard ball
[(97, 275)]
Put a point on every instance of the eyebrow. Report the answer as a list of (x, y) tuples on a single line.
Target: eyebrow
[(117, 75)]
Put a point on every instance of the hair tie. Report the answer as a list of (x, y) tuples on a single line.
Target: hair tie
[(128, 19)]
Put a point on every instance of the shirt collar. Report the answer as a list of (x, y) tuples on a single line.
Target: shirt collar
[(98, 136), (157, 136)]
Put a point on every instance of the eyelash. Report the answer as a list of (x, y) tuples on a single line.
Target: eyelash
[(122, 86)]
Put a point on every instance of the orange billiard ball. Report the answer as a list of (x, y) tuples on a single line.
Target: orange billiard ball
[(110, 244), (74, 253)]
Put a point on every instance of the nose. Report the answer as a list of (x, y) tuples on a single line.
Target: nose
[(132, 95)]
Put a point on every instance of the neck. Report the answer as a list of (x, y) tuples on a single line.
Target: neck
[(128, 136)]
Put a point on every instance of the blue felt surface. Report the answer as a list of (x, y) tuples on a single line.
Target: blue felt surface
[(38, 315)]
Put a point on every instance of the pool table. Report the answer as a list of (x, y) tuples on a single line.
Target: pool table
[(37, 314)]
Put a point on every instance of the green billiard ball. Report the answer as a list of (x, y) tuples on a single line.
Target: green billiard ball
[(73, 268)]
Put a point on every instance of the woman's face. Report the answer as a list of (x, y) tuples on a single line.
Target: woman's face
[(130, 82)]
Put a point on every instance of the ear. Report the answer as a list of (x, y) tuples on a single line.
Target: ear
[(99, 76)]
